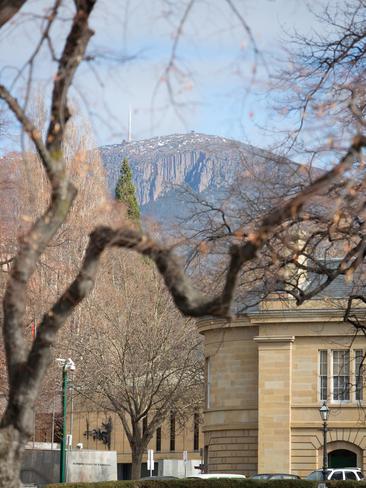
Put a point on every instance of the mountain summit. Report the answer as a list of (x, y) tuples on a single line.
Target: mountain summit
[(201, 162)]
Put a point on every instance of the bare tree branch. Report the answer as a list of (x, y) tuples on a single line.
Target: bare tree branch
[(34, 243), (190, 301), (8, 8)]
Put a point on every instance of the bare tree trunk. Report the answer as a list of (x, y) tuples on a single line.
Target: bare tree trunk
[(136, 461), (11, 449), (27, 366)]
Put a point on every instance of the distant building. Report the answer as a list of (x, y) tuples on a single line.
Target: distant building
[(267, 374), (103, 430)]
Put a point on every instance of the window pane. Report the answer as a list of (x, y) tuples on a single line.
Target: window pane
[(323, 363), (340, 362), (323, 388), (337, 475), (350, 475), (196, 432), (359, 374), (341, 388), (172, 431), (158, 439), (208, 383), (315, 475), (323, 370), (341, 375)]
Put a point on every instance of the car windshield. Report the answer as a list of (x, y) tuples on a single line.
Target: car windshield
[(317, 475), (260, 476)]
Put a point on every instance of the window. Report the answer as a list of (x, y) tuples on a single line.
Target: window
[(144, 424), (350, 475), (323, 372), (359, 374), (340, 369), (341, 375), (205, 459), (172, 431), (196, 431), (208, 383), (337, 475), (158, 439)]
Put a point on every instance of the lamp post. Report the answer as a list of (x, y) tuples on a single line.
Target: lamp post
[(67, 365), (324, 413)]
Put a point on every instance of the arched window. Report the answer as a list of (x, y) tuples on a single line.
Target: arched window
[(342, 458)]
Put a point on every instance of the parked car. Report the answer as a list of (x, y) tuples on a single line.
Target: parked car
[(159, 478), (207, 476), (337, 474), (275, 476)]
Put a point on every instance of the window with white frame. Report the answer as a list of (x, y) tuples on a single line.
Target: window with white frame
[(359, 374), (341, 375), (323, 374)]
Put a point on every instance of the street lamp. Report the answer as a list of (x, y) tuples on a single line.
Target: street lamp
[(67, 365), (324, 414)]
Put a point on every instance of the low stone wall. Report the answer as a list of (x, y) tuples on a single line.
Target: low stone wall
[(84, 465), (177, 467), (40, 466), (43, 466)]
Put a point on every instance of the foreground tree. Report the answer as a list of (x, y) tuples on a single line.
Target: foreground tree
[(323, 93), (26, 368), (28, 364), (326, 91)]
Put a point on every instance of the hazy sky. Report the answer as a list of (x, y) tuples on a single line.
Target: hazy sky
[(133, 43)]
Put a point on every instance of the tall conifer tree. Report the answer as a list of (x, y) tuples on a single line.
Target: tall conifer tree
[(126, 191)]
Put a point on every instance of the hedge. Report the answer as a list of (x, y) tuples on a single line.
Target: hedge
[(211, 483), (203, 483)]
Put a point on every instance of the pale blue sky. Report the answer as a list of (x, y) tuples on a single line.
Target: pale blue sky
[(214, 56)]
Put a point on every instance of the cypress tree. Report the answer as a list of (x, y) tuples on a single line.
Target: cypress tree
[(126, 191)]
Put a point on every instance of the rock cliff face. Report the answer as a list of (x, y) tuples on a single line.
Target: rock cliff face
[(202, 162)]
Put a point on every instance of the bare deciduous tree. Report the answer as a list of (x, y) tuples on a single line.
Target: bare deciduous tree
[(27, 363), (137, 357)]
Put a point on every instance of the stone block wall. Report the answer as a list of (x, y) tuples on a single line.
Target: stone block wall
[(233, 451)]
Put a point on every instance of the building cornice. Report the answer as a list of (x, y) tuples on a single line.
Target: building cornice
[(211, 323), (333, 405), (289, 316), (331, 425), (247, 407), (296, 316), (233, 426), (271, 339)]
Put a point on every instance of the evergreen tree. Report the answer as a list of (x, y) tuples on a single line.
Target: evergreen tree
[(126, 191)]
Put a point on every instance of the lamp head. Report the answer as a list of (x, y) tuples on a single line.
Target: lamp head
[(324, 412), (69, 365)]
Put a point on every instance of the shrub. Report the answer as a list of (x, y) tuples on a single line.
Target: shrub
[(203, 483)]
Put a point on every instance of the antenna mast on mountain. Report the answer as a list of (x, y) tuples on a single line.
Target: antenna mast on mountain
[(129, 134)]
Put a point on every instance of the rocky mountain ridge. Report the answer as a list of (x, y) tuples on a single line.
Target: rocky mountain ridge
[(201, 162)]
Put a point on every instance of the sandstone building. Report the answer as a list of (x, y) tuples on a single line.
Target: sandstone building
[(267, 374), (103, 430)]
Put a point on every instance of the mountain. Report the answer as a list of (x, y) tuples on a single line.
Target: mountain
[(204, 163)]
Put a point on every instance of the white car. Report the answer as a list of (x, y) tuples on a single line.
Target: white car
[(337, 474)]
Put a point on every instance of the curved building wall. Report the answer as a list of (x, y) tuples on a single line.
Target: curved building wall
[(231, 414), (263, 395)]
